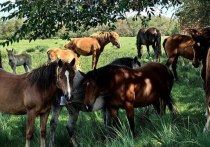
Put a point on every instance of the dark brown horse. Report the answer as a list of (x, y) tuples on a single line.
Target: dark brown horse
[(203, 54), (149, 37), (129, 88), (180, 45), (77, 102), (33, 93), (93, 45)]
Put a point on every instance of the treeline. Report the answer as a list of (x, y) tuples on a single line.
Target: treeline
[(127, 28)]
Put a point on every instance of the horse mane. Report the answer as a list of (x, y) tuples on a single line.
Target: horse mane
[(43, 76), (100, 35)]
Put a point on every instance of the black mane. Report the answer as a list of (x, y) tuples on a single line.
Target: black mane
[(43, 76)]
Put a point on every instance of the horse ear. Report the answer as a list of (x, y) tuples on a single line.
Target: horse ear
[(60, 63), (72, 62)]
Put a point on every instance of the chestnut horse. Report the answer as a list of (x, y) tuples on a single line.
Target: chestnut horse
[(179, 45), (33, 93), (130, 88), (77, 101), (93, 45), (149, 37), (63, 54)]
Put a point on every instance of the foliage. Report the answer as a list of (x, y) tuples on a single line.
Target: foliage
[(43, 18), (194, 13), (127, 27)]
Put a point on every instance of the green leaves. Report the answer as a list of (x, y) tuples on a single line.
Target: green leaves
[(43, 18)]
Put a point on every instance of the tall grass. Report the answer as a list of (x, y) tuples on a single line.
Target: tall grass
[(151, 130)]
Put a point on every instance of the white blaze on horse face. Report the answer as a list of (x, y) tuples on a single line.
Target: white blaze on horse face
[(198, 43), (68, 85)]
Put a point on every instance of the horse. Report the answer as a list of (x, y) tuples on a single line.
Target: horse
[(18, 60), (65, 55), (203, 54), (33, 93), (93, 45), (151, 36), (76, 105), (179, 45), (130, 88)]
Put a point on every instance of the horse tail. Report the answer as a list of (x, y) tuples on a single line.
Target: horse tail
[(164, 42), (0, 61)]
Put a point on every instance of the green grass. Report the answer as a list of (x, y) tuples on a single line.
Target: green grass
[(151, 130)]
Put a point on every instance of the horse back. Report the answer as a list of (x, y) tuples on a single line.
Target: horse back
[(179, 45)]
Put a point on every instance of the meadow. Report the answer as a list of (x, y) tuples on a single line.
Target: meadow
[(151, 130)]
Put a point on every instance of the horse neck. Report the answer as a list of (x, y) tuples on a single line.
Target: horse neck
[(103, 41)]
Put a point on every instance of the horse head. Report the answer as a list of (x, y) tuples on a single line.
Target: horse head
[(200, 46), (114, 39), (64, 77), (10, 53)]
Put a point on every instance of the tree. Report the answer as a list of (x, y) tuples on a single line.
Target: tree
[(194, 14), (46, 17)]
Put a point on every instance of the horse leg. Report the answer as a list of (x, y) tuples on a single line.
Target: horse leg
[(31, 115), (95, 59), (73, 116), (43, 122), (114, 114), (14, 69), (139, 50), (130, 115), (56, 108), (26, 67), (148, 51), (155, 49), (107, 117), (174, 65)]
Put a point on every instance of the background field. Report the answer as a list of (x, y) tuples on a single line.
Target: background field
[(151, 130)]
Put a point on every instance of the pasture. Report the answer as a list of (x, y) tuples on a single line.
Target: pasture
[(152, 130)]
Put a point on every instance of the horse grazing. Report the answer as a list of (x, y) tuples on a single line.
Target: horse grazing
[(77, 101), (65, 55), (129, 89), (18, 60), (33, 93), (179, 45), (149, 37), (93, 45)]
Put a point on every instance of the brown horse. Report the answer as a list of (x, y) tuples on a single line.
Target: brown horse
[(129, 88), (33, 93), (179, 45), (93, 45), (65, 55), (203, 54), (149, 37)]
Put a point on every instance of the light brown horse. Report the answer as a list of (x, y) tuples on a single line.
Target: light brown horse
[(33, 93), (63, 54), (179, 45), (93, 45), (129, 88)]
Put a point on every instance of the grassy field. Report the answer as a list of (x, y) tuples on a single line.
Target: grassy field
[(152, 130)]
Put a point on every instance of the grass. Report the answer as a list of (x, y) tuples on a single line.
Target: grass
[(151, 130)]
